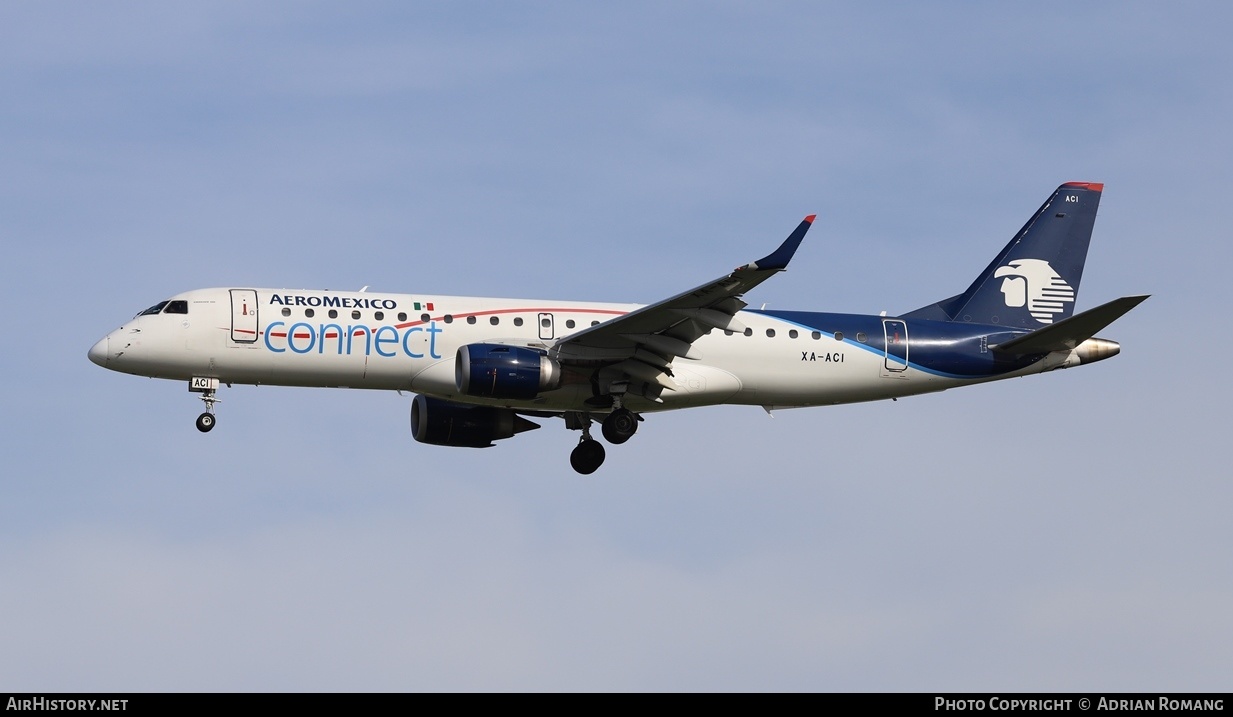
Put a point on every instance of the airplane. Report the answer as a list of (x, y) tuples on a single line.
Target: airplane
[(483, 368)]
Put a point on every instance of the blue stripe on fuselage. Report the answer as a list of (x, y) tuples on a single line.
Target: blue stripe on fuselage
[(942, 348)]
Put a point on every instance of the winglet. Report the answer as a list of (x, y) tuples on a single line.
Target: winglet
[(778, 259)]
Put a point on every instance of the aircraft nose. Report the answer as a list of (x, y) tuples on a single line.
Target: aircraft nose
[(100, 352)]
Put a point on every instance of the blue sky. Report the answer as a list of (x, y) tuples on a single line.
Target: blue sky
[(572, 151)]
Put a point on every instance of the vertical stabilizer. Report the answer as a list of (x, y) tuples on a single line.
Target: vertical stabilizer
[(1034, 281)]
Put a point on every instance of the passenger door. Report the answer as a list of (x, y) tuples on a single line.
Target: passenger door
[(895, 361), (244, 324)]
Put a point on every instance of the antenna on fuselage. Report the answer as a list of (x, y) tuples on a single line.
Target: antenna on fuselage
[(363, 288)]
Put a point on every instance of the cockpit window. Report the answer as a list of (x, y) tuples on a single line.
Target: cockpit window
[(176, 307), (154, 309)]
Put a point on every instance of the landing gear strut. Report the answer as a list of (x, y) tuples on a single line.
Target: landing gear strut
[(207, 387)]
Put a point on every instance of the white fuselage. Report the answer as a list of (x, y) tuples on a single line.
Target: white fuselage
[(409, 342)]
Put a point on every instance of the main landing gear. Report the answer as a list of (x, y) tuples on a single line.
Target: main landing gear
[(589, 454), (620, 426)]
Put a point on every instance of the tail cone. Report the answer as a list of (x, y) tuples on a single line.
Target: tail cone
[(1094, 350)]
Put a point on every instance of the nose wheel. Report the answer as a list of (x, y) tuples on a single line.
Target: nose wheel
[(205, 422)]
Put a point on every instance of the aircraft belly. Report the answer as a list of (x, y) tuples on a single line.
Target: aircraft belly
[(256, 367), (697, 385), (435, 379), (813, 374), (351, 371)]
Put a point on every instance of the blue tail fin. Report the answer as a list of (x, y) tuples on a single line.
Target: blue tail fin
[(1034, 281)]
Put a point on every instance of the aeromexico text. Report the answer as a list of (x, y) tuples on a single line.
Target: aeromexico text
[(302, 337), (337, 302)]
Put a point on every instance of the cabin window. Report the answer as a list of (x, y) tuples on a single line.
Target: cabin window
[(793, 334), (861, 337), (449, 318), (749, 332), (286, 311), (402, 316), (425, 318), (379, 316), (569, 323), (839, 336), (470, 319), (309, 313), (770, 333), (355, 314), (595, 323), (494, 320), (333, 313), (518, 321), (727, 332)]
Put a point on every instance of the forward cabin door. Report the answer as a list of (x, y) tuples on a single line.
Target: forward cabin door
[(243, 316), (895, 361)]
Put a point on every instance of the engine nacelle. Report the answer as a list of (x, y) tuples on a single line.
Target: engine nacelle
[(445, 423), (497, 371)]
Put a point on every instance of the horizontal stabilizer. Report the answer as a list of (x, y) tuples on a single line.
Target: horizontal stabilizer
[(1069, 333)]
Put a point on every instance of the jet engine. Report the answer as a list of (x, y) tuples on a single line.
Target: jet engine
[(498, 371), (445, 423)]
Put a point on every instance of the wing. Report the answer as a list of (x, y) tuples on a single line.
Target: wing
[(639, 347)]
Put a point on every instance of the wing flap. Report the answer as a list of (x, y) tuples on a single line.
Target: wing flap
[(713, 318)]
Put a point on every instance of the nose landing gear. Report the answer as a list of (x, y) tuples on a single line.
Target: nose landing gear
[(207, 387)]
